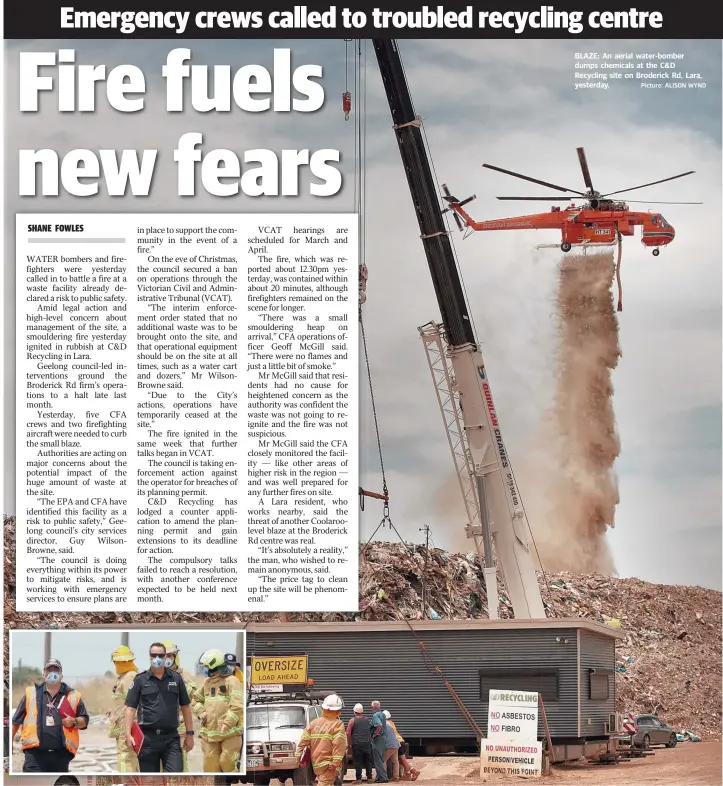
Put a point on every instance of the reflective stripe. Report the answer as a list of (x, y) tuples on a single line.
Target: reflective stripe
[(233, 732)]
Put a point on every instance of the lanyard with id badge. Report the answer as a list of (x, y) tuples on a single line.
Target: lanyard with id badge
[(49, 717)]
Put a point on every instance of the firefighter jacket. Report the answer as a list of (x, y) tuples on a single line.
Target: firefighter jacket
[(220, 704), (327, 739), (117, 714), (29, 733), (192, 688)]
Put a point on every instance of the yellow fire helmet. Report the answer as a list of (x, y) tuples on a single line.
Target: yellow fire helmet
[(122, 654), (172, 651), (212, 659)]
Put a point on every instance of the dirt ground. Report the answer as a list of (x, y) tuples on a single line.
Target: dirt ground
[(690, 764), (97, 753)]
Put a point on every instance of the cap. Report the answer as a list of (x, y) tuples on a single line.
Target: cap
[(53, 663)]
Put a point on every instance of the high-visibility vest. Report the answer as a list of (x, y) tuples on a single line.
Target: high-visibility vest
[(29, 737)]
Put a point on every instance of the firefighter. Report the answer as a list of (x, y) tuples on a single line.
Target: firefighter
[(173, 662), (126, 671), (220, 705), (232, 660), (326, 736)]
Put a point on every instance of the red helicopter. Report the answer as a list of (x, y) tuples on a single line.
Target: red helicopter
[(599, 221)]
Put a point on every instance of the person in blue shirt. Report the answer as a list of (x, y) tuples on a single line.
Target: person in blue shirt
[(391, 750), (379, 742)]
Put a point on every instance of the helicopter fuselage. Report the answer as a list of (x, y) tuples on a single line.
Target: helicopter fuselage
[(583, 225)]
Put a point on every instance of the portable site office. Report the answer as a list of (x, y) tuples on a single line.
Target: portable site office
[(570, 662)]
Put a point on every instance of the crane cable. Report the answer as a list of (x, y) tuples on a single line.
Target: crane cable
[(464, 289), (360, 64)]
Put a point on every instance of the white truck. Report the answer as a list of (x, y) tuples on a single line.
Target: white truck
[(274, 724)]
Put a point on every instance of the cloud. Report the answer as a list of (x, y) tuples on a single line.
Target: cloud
[(512, 104)]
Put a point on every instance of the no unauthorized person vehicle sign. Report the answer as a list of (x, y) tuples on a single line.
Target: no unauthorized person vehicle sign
[(502, 759)]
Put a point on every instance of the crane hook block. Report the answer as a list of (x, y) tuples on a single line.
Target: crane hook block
[(346, 104)]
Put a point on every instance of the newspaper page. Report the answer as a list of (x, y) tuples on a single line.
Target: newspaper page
[(297, 485)]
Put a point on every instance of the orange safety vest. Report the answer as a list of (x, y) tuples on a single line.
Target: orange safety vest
[(29, 737)]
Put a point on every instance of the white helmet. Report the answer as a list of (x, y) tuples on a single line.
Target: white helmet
[(387, 714), (333, 703), (358, 708)]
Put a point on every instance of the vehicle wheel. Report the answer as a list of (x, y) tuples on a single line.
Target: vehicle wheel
[(672, 742), (566, 247), (303, 776), (646, 742), (656, 252)]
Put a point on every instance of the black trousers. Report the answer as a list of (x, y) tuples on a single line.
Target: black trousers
[(161, 749), (47, 761), (363, 760)]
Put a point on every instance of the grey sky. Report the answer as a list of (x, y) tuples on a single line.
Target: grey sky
[(512, 104), (87, 654)]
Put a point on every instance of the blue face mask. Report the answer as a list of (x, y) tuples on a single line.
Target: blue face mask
[(168, 663), (53, 678), (157, 662)]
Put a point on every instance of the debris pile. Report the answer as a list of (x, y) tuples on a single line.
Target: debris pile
[(668, 663)]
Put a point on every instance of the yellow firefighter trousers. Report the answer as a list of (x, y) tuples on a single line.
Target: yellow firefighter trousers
[(325, 777), (221, 756), (127, 759)]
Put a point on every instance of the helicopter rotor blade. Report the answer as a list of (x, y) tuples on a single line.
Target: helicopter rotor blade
[(532, 179), (645, 185), (646, 202), (539, 199), (447, 196), (584, 167), (458, 221)]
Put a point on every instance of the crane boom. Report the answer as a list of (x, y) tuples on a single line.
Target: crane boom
[(502, 514)]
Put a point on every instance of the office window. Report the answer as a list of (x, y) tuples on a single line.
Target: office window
[(543, 681), (599, 685)]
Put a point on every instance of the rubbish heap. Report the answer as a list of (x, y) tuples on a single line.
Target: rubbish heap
[(669, 662)]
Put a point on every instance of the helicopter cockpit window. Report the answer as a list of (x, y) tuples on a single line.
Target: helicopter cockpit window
[(663, 222), (654, 219)]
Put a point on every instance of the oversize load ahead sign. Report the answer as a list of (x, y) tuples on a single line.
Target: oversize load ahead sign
[(505, 758), (279, 671)]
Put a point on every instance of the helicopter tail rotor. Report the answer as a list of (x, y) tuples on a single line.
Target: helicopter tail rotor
[(452, 200)]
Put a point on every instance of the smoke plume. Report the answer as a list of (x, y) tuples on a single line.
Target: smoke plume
[(570, 487)]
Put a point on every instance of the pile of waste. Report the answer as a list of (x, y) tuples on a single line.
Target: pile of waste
[(668, 663), (169, 780)]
